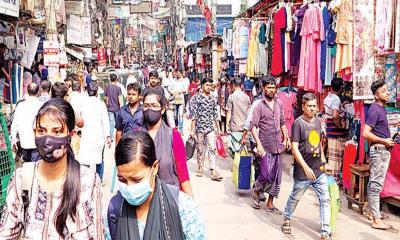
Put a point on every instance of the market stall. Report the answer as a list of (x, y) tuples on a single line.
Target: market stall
[(306, 44)]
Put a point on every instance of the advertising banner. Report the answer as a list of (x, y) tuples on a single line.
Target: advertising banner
[(51, 53)]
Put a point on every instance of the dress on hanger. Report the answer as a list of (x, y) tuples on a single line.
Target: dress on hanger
[(312, 33), (277, 65)]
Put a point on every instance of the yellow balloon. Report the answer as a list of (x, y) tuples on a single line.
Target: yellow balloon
[(313, 138)]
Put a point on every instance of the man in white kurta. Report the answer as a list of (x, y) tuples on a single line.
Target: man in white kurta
[(95, 132)]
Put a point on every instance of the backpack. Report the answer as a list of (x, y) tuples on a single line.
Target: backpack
[(115, 209)]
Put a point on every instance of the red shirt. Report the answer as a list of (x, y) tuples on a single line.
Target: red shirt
[(277, 57), (192, 88)]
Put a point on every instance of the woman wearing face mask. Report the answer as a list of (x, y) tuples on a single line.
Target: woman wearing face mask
[(170, 149), (145, 208), (63, 198)]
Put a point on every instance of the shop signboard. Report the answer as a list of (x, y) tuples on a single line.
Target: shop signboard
[(51, 53), (74, 30), (86, 35), (74, 8), (79, 30), (101, 56), (29, 50), (9, 7), (142, 7)]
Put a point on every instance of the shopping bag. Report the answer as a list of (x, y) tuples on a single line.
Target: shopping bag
[(243, 171), (335, 201), (190, 146), (220, 146)]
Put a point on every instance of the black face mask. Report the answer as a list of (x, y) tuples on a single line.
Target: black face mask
[(151, 116), (50, 147)]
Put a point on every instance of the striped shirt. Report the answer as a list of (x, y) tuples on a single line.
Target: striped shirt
[(332, 102)]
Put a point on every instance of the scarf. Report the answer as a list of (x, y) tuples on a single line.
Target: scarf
[(165, 154), (163, 220)]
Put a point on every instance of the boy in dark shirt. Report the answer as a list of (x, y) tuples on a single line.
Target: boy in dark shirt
[(376, 131), (309, 165), (113, 100)]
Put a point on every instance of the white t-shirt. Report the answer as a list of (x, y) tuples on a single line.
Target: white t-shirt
[(180, 86), (331, 102)]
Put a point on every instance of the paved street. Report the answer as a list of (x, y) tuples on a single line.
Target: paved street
[(228, 213)]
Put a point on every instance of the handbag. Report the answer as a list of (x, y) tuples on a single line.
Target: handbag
[(220, 146), (335, 201), (190, 147), (243, 170)]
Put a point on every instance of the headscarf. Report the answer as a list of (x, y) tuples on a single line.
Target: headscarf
[(163, 220)]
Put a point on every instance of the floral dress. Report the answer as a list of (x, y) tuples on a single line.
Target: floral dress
[(41, 212)]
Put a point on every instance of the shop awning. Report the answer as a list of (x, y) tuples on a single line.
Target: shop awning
[(79, 52)]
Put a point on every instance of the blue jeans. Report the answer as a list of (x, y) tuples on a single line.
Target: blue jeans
[(179, 116), (320, 186), (111, 119), (100, 170)]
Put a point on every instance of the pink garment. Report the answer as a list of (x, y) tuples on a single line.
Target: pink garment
[(288, 99), (180, 157), (312, 33), (392, 180)]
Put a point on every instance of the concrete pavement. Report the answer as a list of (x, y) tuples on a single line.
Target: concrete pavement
[(228, 214)]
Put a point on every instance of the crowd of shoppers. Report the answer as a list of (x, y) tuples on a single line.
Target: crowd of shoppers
[(63, 129)]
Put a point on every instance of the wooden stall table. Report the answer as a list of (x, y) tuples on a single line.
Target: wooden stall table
[(357, 193)]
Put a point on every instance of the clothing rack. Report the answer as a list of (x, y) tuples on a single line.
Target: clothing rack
[(273, 4), (257, 18)]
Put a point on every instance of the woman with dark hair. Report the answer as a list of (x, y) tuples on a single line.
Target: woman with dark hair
[(56, 197), (170, 149), (146, 208)]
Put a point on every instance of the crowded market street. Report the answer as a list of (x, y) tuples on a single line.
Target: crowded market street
[(228, 213), (199, 119)]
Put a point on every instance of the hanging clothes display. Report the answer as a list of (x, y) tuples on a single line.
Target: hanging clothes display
[(390, 76), (398, 79), (296, 38), (243, 41), (252, 50), (324, 43), (262, 39), (384, 25), (312, 33), (364, 61), (397, 27), (344, 38), (269, 33), (277, 65), (288, 99)]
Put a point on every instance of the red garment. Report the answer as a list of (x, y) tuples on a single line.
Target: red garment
[(279, 26), (360, 112), (180, 157), (392, 180), (349, 157), (192, 88)]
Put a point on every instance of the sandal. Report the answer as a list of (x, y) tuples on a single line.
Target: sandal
[(286, 229), (325, 237), (215, 176), (255, 199), (383, 217), (274, 210), (199, 173), (382, 227)]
